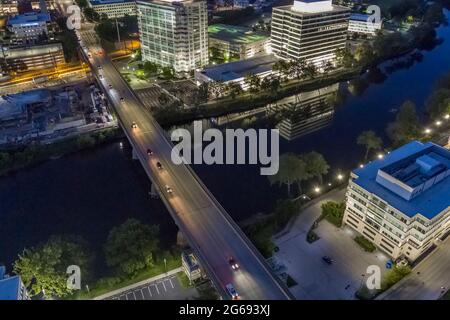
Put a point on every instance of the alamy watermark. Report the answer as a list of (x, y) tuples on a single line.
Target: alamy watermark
[(74, 17), (74, 279), (374, 18), (228, 148)]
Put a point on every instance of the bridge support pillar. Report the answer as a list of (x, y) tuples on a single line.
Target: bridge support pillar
[(153, 191), (181, 240), (134, 155)]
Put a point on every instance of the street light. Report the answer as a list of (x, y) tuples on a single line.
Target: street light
[(317, 189), (380, 156), (340, 177), (438, 123), (427, 130), (447, 116)]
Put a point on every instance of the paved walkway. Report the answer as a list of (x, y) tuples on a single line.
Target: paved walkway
[(138, 284)]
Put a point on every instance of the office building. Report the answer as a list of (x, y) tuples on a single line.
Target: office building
[(361, 23), (11, 288), (114, 8), (174, 33), (402, 202), (28, 28), (309, 29), (237, 43)]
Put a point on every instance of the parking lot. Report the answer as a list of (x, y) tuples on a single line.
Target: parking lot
[(168, 288), (315, 278)]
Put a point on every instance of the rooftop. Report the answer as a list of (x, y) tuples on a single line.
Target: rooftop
[(13, 105), (414, 179), (9, 286), (239, 69), (235, 34), (359, 17), (102, 2), (307, 7), (29, 18)]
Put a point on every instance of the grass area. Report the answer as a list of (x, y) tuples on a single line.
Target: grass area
[(312, 236), (184, 280), (19, 158), (333, 212), (365, 244), (393, 276), (105, 285)]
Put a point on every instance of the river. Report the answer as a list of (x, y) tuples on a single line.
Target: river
[(90, 192)]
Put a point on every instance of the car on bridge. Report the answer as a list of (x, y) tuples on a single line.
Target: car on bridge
[(232, 291), (169, 189), (149, 152), (134, 125), (327, 259), (233, 264), (159, 165)]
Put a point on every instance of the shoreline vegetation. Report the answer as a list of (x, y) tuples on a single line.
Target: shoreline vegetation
[(15, 159)]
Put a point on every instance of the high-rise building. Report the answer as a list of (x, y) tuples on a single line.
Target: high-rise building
[(11, 288), (174, 33), (29, 27), (309, 29), (114, 8), (402, 202)]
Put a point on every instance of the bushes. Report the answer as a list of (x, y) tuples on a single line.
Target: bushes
[(365, 244), (393, 276), (33, 154), (333, 212)]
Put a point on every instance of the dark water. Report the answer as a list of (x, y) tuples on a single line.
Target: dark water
[(90, 192), (85, 194), (243, 192)]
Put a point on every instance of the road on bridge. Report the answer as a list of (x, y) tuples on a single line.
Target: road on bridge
[(209, 229)]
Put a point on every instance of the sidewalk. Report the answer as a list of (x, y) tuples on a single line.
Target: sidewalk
[(138, 284)]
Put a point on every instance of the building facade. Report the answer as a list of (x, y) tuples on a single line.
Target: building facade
[(28, 28), (361, 23), (402, 202), (309, 29), (21, 59), (238, 43), (12, 288), (174, 34), (114, 8)]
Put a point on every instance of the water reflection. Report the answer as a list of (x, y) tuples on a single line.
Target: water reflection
[(305, 112)]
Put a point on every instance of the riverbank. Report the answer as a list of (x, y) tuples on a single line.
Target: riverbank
[(248, 101), (12, 160)]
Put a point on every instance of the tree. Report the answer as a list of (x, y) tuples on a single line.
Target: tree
[(288, 168), (310, 71), (406, 126), (344, 58), (131, 246), (333, 212), (370, 140), (271, 84), (43, 269), (282, 67), (234, 89), (91, 14), (253, 82), (297, 67), (316, 165)]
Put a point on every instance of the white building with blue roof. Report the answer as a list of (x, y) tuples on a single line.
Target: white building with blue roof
[(402, 202), (11, 288)]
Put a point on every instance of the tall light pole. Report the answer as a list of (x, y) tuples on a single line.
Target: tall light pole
[(118, 33)]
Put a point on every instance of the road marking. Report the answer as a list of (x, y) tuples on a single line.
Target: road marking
[(134, 294), (171, 283), (156, 286), (164, 286), (149, 291)]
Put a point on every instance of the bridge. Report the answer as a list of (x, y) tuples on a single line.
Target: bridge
[(210, 231)]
